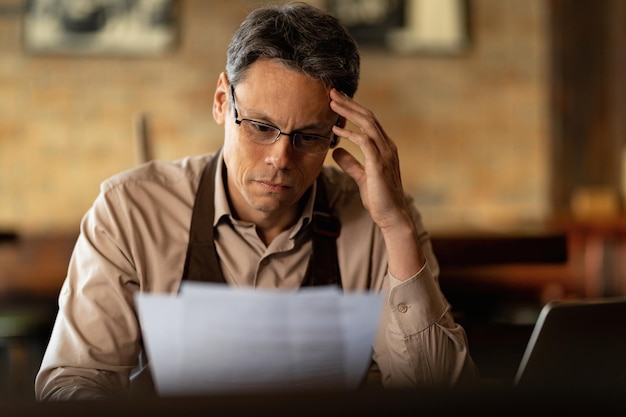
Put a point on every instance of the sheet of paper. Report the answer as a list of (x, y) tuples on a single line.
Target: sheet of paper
[(358, 313), (245, 340), (161, 316)]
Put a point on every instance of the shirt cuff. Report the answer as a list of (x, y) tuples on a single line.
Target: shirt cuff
[(416, 303)]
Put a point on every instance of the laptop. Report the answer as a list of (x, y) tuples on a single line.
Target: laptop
[(577, 344)]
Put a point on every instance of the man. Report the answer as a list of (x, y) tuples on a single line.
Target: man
[(263, 211)]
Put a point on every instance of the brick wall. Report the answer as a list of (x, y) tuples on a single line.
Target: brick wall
[(472, 129)]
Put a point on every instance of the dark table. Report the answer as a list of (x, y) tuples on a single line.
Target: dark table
[(489, 401)]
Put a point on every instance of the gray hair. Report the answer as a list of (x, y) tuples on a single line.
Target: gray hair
[(303, 38)]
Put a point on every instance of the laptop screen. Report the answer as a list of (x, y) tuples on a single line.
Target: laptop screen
[(577, 344)]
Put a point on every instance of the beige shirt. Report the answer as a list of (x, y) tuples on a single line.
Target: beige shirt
[(134, 238)]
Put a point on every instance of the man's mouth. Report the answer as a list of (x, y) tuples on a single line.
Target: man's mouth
[(275, 186)]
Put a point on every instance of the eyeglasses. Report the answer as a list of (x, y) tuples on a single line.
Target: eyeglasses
[(266, 134)]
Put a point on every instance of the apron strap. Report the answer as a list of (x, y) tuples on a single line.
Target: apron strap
[(323, 266), (202, 264)]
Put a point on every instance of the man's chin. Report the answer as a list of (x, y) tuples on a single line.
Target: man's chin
[(267, 205)]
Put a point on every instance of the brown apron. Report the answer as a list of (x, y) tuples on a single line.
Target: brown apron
[(202, 264)]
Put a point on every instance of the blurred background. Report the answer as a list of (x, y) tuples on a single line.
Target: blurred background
[(508, 116)]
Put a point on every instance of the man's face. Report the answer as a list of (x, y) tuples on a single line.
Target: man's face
[(266, 181)]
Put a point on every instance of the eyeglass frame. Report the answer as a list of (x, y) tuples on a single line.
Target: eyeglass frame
[(333, 140)]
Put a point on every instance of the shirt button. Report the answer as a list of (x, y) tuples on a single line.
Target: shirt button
[(403, 308)]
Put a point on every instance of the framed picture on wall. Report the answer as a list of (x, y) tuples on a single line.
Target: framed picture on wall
[(433, 26), (100, 27)]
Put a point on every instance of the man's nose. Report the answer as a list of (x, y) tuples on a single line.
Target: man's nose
[(281, 152)]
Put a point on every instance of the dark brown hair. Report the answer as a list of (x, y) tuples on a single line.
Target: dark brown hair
[(300, 36)]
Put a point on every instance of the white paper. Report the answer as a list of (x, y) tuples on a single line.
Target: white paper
[(160, 317), (218, 339), (359, 311)]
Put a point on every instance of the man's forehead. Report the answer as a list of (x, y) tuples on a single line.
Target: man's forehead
[(277, 75), (283, 93)]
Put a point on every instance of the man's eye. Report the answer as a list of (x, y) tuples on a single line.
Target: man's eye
[(312, 138), (262, 128)]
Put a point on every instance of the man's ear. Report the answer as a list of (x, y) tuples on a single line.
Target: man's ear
[(221, 99)]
